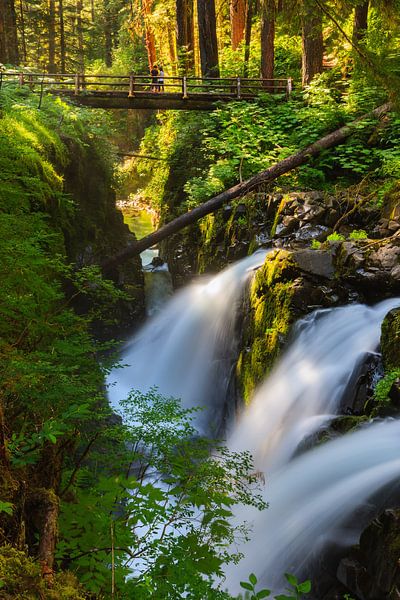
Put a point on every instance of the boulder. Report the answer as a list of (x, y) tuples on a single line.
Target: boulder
[(315, 262)]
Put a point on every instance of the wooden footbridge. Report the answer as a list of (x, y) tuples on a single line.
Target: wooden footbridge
[(141, 91)]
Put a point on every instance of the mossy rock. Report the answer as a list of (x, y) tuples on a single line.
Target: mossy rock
[(21, 579), (268, 321), (390, 339)]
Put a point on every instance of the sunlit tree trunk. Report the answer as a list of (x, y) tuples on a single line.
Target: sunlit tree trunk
[(107, 33), (62, 35), (208, 38), (247, 36), (79, 31), (360, 24), (149, 34), (238, 21), (172, 50), (268, 16), (312, 41), (22, 29), (52, 37), (185, 34), (8, 33)]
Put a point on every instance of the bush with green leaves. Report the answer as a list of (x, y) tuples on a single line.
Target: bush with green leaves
[(161, 502), (296, 591)]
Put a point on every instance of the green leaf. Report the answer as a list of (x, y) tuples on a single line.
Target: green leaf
[(305, 587), (246, 586), (263, 594), (292, 579), (253, 579)]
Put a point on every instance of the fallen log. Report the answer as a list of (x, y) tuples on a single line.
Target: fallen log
[(284, 166)]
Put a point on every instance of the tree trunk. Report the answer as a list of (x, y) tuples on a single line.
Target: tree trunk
[(149, 34), (208, 38), (238, 20), (48, 505), (268, 16), (312, 41), (22, 23), (62, 35), (247, 37), (172, 50), (360, 24), (52, 37), (8, 33), (185, 34), (79, 31), (107, 34), (286, 165)]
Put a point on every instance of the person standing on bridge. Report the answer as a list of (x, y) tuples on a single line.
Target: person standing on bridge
[(161, 79), (154, 78)]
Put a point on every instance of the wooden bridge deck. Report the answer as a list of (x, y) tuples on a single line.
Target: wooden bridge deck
[(140, 91)]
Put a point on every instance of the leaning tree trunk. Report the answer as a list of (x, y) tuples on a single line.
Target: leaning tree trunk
[(237, 12), (268, 16), (208, 38), (8, 33), (286, 165), (360, 24), (185, 34), (312, 41)]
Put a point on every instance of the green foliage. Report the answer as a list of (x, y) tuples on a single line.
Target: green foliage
[(381, 392), (170, 514), (358, 234), (297, 590), (6, 507), (335, 237), (315, 245)]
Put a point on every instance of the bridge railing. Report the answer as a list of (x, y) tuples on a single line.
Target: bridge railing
[(138, 85)]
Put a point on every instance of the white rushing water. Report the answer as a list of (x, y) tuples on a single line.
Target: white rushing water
[(306, 387), (186, 350), (311, 497)]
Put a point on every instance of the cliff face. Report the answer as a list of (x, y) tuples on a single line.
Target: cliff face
[(95, 229)]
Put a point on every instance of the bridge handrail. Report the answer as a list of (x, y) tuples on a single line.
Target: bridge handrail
[(132, 84)]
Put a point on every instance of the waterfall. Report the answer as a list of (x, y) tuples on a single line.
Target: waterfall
[(311, 497), (188, 350), (306, 388)]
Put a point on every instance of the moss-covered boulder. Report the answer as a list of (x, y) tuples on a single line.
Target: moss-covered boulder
[(267, 320), (390, 339)]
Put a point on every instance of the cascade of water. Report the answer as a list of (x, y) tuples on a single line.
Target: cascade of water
[(188, 349), (311, 497), (307, 386)]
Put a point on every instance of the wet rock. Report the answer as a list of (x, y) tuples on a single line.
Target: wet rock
[(315, 262), (394, 393), (386, 257), (310, 232), (390, 339), (157, 262), (395, 273)]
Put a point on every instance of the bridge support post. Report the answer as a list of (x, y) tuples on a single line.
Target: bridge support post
[(238, 88), (21, 79), (289, 87), (77, 84), (184, 88), (131, 86)]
